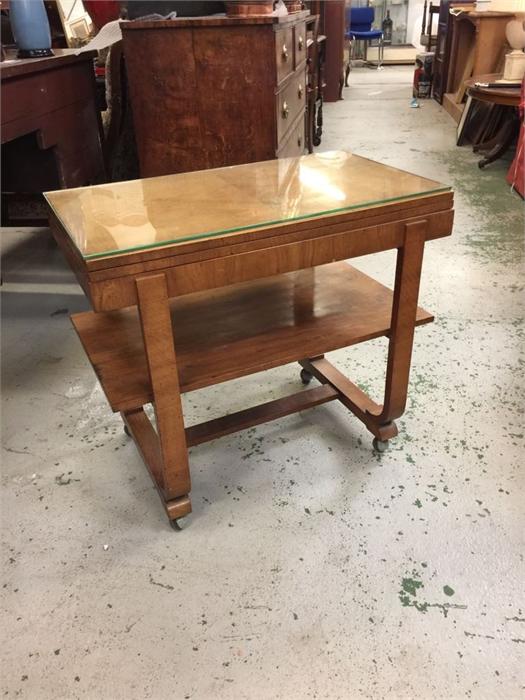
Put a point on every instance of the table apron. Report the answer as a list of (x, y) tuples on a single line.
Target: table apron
[(119, 292)]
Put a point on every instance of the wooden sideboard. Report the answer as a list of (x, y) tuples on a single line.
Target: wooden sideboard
[(214, 91), (51, 129)]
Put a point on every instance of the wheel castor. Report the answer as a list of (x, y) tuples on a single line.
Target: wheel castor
[(306, 376), (127, 430), (179, 524), (380, 445)]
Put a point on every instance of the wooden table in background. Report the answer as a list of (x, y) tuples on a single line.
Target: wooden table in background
[(508, 100), (203, 277)]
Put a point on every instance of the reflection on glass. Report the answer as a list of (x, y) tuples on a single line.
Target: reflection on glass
[(141, 214)]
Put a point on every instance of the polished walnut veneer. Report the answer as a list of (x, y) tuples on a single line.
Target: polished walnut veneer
[(199, 278), (214, 91)]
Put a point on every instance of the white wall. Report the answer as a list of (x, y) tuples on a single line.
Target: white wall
[(507, 5)]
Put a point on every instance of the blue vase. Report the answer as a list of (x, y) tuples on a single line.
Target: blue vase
[(30, 28)]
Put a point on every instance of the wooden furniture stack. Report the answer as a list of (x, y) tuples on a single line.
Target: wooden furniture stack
[(477, 47), (443, 45), (214, 91)]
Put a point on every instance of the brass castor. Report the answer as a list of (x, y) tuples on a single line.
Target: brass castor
[(306, 376), (127, 430), (380, 445)]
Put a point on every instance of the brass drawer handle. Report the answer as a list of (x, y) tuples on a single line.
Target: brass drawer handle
[(300, 91), (301, 43), (299, 141), (285, 111), (285, 52)]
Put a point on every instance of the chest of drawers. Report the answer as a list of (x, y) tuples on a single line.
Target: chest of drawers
[(214, 91)]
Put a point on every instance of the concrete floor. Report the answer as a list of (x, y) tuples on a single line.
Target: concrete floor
[(312, 567)]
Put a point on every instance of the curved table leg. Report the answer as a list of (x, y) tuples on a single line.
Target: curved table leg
[(501, 142)]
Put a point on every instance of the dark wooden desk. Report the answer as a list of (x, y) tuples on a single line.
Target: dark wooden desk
[(508, 100), (51, 129), (203, 277)]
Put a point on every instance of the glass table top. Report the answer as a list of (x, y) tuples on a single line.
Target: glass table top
[(138, 215)]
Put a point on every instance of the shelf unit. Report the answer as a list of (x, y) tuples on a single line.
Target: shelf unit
[(220, 335)]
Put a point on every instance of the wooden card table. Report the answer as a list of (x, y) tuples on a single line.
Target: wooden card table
[(202, 277)]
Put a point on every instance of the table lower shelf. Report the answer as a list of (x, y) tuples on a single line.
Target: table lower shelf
[(234, 331)]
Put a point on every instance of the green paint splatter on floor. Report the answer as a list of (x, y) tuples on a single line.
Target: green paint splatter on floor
[(411, 585), (496, 225), (408, 595), (418, 503)]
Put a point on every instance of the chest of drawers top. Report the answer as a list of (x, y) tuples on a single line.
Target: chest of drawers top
[(289, 34)]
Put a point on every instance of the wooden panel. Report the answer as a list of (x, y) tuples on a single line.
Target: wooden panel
[(235, 95), (293, 144), (209, 274), (290, 102), (333, 25), (164, 105), (233, 422), (218, 336), (35, 95), (216, 108), (284, 53), (300, 44)]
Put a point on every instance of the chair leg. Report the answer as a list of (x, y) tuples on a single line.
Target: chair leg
[(380, 54), (349, 59)]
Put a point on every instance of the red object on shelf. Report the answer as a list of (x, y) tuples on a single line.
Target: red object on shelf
[(102, 11), (516, 174)]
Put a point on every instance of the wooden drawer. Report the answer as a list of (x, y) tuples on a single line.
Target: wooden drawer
[(30, 96), (294, 143), (300, 44), (284, 53), (289, 102)]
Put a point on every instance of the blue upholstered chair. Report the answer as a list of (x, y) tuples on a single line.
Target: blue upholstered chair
[(359, 22)]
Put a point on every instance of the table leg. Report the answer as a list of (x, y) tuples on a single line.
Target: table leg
[(501, 142), (404, 308), (380, 419), (165, 452)]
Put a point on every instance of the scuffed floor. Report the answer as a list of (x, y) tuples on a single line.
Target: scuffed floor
[(312, 567)]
